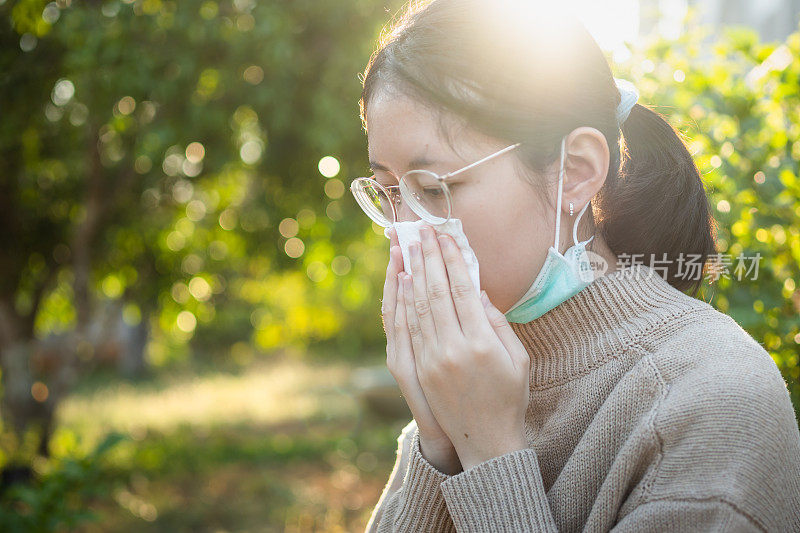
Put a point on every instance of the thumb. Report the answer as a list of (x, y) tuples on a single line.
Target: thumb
[(503, 330)]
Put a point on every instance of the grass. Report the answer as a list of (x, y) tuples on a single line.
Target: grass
[(275, 447)]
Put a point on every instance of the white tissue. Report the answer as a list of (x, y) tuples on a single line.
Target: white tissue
[(408, 232)]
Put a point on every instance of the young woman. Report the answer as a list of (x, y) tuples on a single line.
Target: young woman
[(558, 403)]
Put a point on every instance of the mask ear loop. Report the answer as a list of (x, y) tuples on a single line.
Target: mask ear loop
[(558, 203), (560, 186), (575, 226)]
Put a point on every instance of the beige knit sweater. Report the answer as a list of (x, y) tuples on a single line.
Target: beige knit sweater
[(649, 411)]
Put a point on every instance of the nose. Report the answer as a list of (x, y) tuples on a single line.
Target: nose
[(405, 214)]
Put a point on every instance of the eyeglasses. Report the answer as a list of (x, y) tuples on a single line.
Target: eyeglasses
[(425, 192)]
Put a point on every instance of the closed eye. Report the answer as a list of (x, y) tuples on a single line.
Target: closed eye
[(384, 184), (378, 172)]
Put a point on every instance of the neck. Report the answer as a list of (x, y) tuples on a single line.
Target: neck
[(598, 246), (599, 322)]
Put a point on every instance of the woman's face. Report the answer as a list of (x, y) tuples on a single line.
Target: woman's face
[(506, 223)]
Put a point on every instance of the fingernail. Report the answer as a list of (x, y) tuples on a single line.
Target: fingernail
[(485, 299), (445, 242), (414, 248), (426, 232)]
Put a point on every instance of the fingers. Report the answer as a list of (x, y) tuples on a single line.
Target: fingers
[(402, 337), (501, 327), (425, 329), (389, 300), (418, 338), (466, 299), (435, 303), (393, 241)]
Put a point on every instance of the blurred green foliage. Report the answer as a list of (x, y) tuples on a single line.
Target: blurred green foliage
[(202, 126), (225, 135), (211, 121), (57, 499)]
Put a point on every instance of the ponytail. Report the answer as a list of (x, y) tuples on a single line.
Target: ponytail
[(658, 209)]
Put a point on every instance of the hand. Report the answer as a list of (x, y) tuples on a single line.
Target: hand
[(473, 369), (435, 445)]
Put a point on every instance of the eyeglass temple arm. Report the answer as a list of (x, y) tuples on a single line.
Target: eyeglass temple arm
[(504, 150)]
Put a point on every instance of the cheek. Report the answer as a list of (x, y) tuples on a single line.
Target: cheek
[(510, 241), (494, 233), (502, 226)]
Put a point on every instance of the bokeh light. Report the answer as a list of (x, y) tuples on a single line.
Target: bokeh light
[(294, 247), (186, 321), (288, 227), (328, 166)]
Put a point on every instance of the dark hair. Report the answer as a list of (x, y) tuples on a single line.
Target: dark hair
[(510, 73)]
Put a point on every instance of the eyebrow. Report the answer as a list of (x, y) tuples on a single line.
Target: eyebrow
[(417, 162)]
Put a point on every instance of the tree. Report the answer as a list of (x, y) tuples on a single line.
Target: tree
[(150, 152)]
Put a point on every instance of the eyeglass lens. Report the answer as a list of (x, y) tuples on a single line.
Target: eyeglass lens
[(426, 195), (382, 202), (423, 191)]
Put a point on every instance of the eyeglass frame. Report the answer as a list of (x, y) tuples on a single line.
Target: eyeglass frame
[(441, 180)]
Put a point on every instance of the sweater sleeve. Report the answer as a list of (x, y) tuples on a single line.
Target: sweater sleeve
[(504, 494), (412, 499)]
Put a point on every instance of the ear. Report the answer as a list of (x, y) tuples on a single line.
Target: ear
[(586, 167)]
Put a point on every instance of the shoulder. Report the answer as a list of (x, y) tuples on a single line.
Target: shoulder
[(714, 373), (726, 425), (725, 391), (710, 359), (704, 359)]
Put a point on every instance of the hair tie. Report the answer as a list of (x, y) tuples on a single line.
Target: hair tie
[(628, 97)]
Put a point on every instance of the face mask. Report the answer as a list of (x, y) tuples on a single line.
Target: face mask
[(561, 276), (408, 232)]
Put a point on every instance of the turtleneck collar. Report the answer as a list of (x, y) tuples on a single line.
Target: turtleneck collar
[(599, 322)]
